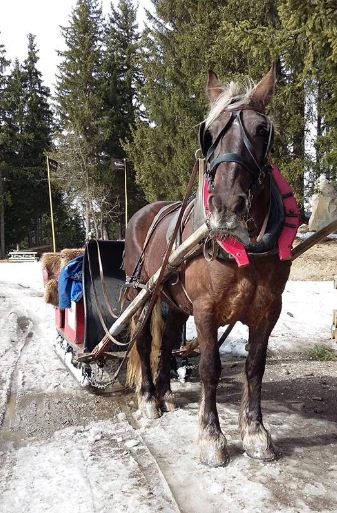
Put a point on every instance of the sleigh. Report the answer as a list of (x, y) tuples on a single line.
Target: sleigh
[(82, 328)]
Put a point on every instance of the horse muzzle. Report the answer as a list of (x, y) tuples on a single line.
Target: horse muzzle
[(228, 225)]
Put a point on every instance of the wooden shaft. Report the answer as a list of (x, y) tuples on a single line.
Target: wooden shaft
[(174, 261), (313, 239)]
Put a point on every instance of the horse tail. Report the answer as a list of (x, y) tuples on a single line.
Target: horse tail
[(134, 372)]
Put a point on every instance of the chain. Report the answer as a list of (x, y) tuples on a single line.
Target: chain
[(191, 367), (97, 384)]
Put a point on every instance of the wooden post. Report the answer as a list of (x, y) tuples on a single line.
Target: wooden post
[(51, 207), (125, 195)]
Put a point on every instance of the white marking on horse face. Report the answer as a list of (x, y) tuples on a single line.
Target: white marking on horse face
[(229, 225)]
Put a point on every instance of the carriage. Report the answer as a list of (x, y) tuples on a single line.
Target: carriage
[(229, 249)]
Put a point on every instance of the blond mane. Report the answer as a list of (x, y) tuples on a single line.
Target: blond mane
[(233, 94)]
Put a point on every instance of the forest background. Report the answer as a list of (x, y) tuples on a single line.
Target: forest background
[(123, 93)]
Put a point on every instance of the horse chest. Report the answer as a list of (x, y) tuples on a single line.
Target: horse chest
[(233, 299)]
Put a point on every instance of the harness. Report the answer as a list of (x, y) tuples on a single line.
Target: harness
[(280, 225), (279, 229), (253, 167)]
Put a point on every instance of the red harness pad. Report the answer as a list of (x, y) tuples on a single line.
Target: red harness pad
[(288, 233), (291, 215)]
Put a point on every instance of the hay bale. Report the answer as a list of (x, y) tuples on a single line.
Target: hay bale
[(53, 263)]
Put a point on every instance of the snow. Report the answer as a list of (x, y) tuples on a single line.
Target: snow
[(106, 462), (306, 235), (80, 471), (305, 320)]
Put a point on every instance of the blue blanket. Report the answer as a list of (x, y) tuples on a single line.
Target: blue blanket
[(70, 282)]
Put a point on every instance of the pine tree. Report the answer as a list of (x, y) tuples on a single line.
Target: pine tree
[(4, 63), (80, 108), (79, 104), (120, 93), (247, 48), (29, 121), (311, 30), (176, 55), (183, 40), (13, 100), (121, 74)]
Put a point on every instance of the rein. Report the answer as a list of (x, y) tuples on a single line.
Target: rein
[(147, 309)]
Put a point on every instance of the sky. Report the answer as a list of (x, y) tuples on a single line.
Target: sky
[(42, 18)]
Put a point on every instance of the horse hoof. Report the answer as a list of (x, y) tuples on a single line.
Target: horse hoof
[(264, 455), (213, 453), (148, 409), (167, 402), (259, 445)]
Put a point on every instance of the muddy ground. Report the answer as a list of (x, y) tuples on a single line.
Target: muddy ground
[(64, 449)]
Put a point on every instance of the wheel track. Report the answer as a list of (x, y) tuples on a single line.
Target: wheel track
[(151, 474)]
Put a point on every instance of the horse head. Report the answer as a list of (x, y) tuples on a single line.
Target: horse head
[(236, 139)]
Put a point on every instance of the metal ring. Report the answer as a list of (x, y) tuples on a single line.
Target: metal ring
[(198, 154)]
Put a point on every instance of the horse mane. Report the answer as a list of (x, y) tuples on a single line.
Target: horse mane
[(233, 94)]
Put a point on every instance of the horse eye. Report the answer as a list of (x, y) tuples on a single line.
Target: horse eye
[(262, 131)]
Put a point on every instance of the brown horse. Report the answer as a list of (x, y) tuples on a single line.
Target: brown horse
[(236, 141)]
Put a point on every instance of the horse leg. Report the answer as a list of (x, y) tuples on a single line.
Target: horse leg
[(144, 382), (212, 443), (172, 330), (257, 441)]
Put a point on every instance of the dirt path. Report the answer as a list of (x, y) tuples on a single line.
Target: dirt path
[(319, 263)]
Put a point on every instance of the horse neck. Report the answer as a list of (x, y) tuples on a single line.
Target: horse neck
[(259, 210)]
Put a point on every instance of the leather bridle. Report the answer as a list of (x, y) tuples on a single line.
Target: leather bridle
[(256, 169)]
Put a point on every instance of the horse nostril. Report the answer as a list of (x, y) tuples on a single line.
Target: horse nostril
[(214, 203), (240, 204)]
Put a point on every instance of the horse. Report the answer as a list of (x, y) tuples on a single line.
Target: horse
[(236, 140)]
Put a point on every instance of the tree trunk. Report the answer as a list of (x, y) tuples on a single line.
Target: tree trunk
[(87, 220), (105, 232)]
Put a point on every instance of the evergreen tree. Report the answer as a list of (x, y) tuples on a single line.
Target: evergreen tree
[(311, 30), (246, 48), (183, 40), (79, 103), (176, 55), (80, 107), (120, 93), (30, 119), (4, 141), (121, 74)]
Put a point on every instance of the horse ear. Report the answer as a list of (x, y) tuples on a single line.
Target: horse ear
[(213, 86), (264, 90)]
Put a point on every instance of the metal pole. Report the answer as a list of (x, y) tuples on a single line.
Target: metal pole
[(51, 207), (126, 195)]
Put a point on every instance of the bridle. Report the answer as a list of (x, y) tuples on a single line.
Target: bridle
[(256, 169)]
